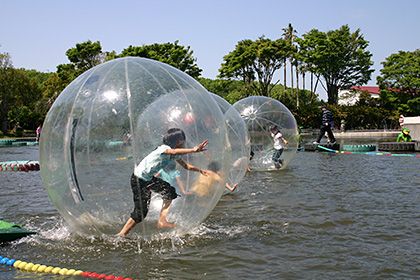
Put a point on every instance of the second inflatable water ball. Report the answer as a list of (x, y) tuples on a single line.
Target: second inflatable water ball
[(261, 115)]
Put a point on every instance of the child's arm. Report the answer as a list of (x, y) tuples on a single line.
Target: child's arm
[(182, 151), (279, 135), (181, 186), (227, 185), (191, 167)]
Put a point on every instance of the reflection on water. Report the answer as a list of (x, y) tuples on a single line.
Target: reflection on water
[(326, 216)]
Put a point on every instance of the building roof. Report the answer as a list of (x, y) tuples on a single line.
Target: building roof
[(368, 89)]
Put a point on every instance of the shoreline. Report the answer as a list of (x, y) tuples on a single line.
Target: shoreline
[(358, 133), (311, 132), (367, 134)]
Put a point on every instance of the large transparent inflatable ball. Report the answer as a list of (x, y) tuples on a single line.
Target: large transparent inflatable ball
[(238, 141), (105, 122), (264, 117)]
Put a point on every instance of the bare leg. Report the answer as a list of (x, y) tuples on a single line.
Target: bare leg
[(163, 222), (127, 227)]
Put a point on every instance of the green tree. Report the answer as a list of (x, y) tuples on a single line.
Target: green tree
[(6, 93), (171, 53), (22, 116), (307, 114), (86, 55), (238, 63), (230, 90), (67, 73), (37, 77), (83, 56), (400, 82), (30, 115), (339, 56), (51, 88), (255, 60), (17, 91)]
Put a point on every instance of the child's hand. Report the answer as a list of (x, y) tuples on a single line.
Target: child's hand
[(187, 193), (204, 172), (231, 188), (201, 147)]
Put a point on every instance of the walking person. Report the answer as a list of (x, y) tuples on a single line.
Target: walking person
[(327, 124)]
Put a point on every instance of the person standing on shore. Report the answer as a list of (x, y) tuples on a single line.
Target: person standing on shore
[(38, 132), (404, 136), (401, 121), (327, 123)]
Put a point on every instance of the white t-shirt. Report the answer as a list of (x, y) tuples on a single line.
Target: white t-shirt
[(153, 162), (277, 140)]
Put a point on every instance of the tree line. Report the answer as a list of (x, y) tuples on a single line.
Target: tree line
[(333, 60)]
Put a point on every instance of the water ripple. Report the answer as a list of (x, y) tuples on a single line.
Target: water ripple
[(327, 216)]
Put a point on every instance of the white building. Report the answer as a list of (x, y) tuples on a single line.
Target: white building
[(413, 123), (351, 96)]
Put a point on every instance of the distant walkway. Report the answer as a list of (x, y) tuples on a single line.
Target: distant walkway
[(367, 134), (358, 133)]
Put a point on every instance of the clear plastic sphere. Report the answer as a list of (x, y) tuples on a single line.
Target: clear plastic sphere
[(260, 114), (238, 141), (105, 122)]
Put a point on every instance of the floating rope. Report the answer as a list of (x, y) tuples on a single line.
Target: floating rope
[(369, 153), (28, 165), (40, 268), (17, 142)]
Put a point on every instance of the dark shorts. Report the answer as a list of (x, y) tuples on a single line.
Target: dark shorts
[(142, 194), (277, 155)]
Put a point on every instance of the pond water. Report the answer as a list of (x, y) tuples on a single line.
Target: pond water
[(326, 216)]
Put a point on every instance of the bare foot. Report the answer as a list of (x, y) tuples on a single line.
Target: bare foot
[(121, 234), (165, 224)]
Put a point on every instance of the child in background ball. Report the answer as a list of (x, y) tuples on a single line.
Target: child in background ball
[(204, 183), (144, 180), (278, 147)]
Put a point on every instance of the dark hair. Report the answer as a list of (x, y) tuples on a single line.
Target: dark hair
[(214, 166), (274, 128), (173, 135)]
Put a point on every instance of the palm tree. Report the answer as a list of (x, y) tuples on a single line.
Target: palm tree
[(297, 67), (289, 35)]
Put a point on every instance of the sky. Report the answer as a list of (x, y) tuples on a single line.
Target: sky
[(37, 34)]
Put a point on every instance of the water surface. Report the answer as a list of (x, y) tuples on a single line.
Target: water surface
[(327, 216)]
